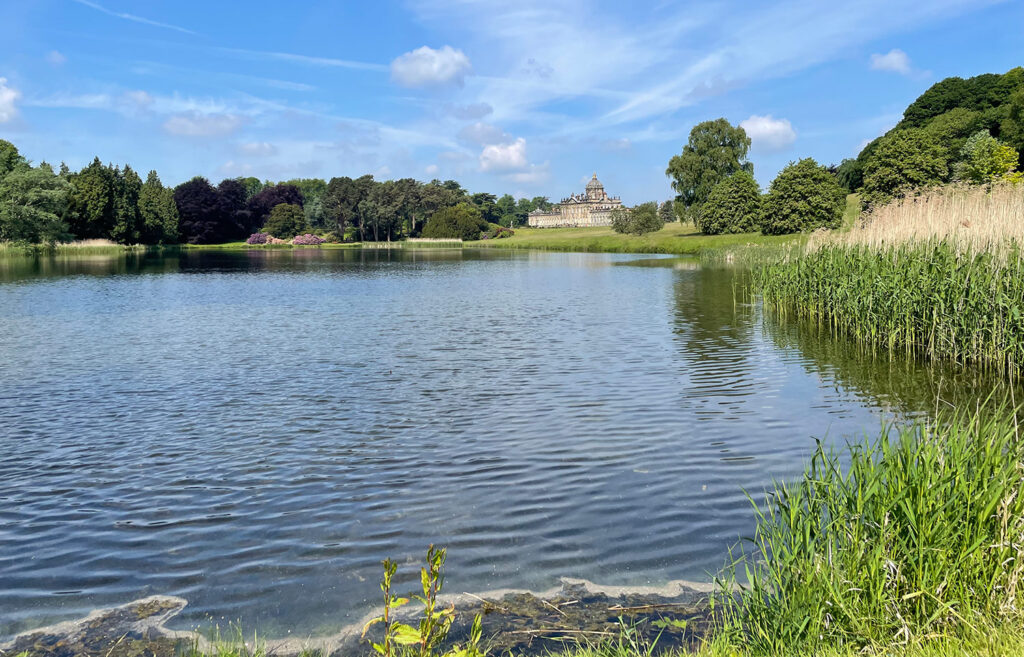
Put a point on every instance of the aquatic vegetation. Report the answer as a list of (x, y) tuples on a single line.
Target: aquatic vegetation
[(941, 276), (969, 218), (914, 537), (434, 624), (926, 299)]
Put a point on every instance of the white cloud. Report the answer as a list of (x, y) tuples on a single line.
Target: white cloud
[(432, 170), (194, 124), (895, 61), (768, 133), (483, 134), (8, 97), (426, 66), (257, 148), (504, 157), (55, 57), (533, 175)]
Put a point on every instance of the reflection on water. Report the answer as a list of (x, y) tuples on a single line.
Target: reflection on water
[(256, 430)]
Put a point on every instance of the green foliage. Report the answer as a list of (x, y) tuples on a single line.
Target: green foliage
[(462, 221), (903, 161), (640, 220), (734, 206), (127, 227), (10, 158), (981, 93), (952, 129), (716, 150), (1012, 127), (667, 212), (908, 538), (985, 159), (850, 174), (803, 197), (34, 199), (158, 213), (927, 299), (286, 221), (91, 207), (426, 638)]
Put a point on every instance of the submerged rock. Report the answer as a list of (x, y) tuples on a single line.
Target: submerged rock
[(524, 623)]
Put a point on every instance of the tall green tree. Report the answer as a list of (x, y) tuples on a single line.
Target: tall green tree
[(805, 196), (985, 159), (667, 212), (734, 206), (127, 228), (10, 158), (91, 209), (341, 202), (157, 212), (1012, 127), (32, 201), (286, 220), (487, 204), (904, 160), (716, 150)]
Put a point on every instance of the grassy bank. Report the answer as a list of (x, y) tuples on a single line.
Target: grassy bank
[(938, 276), (674, 238)]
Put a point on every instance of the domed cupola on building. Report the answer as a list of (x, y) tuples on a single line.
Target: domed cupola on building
[(592, 208), (595, 190)]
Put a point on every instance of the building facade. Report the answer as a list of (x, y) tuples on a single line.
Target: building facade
[(592, 208)]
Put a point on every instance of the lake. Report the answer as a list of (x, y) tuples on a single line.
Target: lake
[(255, 430)]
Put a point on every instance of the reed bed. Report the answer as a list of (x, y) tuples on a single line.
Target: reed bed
[(918, 538), (972, 219), (939, 276)]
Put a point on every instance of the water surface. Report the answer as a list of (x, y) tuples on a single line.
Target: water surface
[(255, 431)]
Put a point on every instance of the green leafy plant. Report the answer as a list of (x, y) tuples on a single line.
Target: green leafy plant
[(432, 629)]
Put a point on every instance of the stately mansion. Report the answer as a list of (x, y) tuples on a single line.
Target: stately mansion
[(592, 208)]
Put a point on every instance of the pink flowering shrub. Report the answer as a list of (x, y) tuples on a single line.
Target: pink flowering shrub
[(258, 238), (308, 240)]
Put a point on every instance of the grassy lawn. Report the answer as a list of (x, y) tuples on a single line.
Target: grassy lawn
[(673, 238)]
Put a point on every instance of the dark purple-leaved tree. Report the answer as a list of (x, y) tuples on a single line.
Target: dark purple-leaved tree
[(200, 212), (236, 216)]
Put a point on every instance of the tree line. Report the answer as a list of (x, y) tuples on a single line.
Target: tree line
[(968, 131), (103, 201)]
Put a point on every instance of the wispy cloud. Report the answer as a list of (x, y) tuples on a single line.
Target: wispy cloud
[(132, 17), (306, 59)]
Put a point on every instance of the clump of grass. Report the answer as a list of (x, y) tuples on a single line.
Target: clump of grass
[(914, 538), (931, 299)]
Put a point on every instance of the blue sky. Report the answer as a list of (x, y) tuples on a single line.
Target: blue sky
[(524, 96)]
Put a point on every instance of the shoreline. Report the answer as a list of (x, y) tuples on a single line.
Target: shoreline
[(520, 620)]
